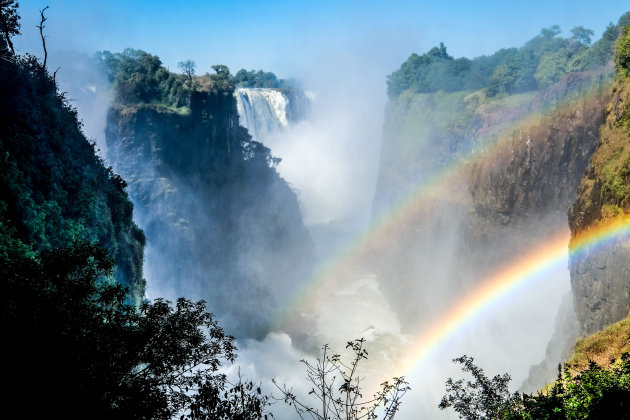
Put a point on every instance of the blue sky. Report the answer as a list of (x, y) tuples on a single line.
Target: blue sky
[(288, 37)]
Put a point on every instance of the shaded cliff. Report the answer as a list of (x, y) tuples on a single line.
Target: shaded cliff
[(600, 277), (54, 190), (220, 222)]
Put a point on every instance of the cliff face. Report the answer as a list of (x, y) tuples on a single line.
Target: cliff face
[(507, 170), (514, 165), (599, 277), (54, 190), (537, 170), (220, 223)]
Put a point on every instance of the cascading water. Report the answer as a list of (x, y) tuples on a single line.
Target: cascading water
[(264, 111)]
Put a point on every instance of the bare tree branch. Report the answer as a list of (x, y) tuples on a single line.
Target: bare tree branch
[(344, 402), (41, 32)]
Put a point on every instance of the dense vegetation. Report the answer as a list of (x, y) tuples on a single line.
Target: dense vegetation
[(542, 61), (139, 77), (259, 79), (604, 193), (83, 351), (54, 190), (594, 393)]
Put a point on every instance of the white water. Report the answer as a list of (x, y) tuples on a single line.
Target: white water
[(262, 111)]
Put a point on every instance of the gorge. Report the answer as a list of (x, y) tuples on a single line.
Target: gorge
[(487, 217)]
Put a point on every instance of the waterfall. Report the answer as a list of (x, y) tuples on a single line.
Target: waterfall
[(264, 111)]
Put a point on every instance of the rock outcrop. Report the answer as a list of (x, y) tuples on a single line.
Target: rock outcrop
[(221, 224), (508, 170)]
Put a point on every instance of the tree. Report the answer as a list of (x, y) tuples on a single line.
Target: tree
[(551, 68), (188, 67), (337, 387), (550, 32), (481, 399), (9, 21), (593, 393), (581, 35), (76, 346), (222, 79), (622, 55), (222, 70)]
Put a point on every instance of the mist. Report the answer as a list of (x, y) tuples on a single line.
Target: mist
[(332, 160)]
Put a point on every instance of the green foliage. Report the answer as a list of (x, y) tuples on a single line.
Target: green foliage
[(434, 71), (483, 398), (54, 190), (551, 68), (517, 72), (622, 55), (542, 61), (9, 25), (137, 76), (258, 79), (595, 393), (222, 78), (343, 399), (615, 175), (77, 346)]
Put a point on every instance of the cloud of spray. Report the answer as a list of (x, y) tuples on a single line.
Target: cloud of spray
[(332, 158)]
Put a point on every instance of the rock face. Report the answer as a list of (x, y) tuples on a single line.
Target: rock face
[(600, 277), (512, 168), (601, 285), (536, 171), (508, 170), (54, 190), (220, 223)]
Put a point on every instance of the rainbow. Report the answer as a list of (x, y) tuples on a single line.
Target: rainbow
[(390, 224), (515, 274)]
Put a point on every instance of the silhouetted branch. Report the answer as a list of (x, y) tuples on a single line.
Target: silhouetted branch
[(41, 33)]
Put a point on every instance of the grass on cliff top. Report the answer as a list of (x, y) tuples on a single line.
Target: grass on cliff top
[(603, 346), (611, 161), (161, 108)]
